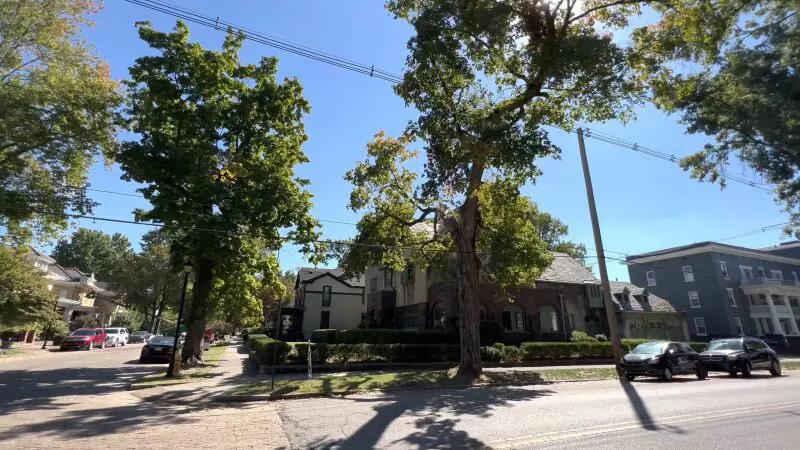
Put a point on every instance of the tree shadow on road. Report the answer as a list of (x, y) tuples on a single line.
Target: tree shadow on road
[(432, 412)]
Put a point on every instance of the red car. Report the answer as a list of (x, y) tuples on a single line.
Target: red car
[(85, 338), (209, 336)]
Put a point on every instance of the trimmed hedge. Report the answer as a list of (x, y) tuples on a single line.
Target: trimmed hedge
[(264, 347), (383, 336), (369, 353)]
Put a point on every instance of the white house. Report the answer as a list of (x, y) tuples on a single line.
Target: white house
[(328, 300)]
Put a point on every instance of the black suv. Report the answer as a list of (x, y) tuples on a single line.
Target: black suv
[(663, 360), (743, 355)]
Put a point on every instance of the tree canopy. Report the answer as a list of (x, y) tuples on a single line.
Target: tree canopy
[(93, 251), (24, 297), (218, 144), (57, 101)]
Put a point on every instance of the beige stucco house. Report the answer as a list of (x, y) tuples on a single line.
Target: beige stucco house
[(325, 299)]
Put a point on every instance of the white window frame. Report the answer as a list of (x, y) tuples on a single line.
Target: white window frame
[(794, 275), (723, 266), (693, 295), (776, 274), (731, 297), (62, 292), (746, 270), (697, 326), (651, 277), (688, 275), (737, 322)]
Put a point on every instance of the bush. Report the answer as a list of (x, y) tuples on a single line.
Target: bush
[(601, 337), (491, 354), (565, 350), (264, 347), (580, 336), (512, 354), (324, 336), (383, 336)]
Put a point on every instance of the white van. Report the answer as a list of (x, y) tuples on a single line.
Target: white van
[(116, 336)]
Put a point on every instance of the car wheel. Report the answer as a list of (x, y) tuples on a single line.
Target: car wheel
[(142, 360), (775, 368), (630, 377), (90, 346), (746, 369), (702, 373), (123, 343), (732, 372), (103, 345), (667, 374)]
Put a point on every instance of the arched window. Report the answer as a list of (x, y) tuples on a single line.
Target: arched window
[(548, 319)]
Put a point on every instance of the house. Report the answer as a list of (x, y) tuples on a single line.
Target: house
[(324, 299), (80, 296), (726, 290), (644, 315)]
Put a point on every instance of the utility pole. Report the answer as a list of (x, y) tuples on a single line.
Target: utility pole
[(608, 301)]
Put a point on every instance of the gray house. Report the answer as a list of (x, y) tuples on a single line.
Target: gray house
[(726, 290)]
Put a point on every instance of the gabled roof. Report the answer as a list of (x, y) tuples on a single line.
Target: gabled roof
[(566, 269), (654, 303), (41, 256), (309, 274)]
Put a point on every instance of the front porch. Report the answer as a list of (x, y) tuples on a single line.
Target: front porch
[(774, 305)]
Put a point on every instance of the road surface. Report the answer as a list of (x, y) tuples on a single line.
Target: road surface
[(79, 400)]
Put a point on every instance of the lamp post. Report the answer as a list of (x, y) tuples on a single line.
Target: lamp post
[(187, 269)]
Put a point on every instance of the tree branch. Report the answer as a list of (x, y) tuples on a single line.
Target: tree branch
[(607, 5)]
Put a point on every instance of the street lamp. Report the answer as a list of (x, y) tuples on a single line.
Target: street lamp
[(187, 269)]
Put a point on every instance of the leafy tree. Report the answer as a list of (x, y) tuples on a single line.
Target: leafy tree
[(151, 282), (93, 251), (57, 101), (485, 77), (274, 292), (746, 93), (130, 319), (24, 297), (552, 231), (218, 144)]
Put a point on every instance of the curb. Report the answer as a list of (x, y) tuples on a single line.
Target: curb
[(233, 398)]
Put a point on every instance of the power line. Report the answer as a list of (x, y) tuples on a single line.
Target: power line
[(271, 41)]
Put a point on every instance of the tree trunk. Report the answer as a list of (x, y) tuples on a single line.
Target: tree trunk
[(468, 282), (193, 346)]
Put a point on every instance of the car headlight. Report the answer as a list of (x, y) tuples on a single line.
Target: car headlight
[(622, 360), (733, 357), (654, 359)]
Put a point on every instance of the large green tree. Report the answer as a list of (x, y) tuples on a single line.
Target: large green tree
[(24, 297), (486, 76), (744, 89), (218, 144), (57, 102), (92, 251)]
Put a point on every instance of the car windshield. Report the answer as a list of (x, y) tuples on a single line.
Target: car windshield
[(650, 348), (731, 344), (139, 333), (161, 341), (112, 330), (83, 333)]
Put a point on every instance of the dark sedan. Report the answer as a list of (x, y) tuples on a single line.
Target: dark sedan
[(159, 349), (139, 336), (740, 355), (662, 360)]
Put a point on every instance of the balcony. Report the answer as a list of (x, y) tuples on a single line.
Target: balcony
[(769, 281), (781, 310)]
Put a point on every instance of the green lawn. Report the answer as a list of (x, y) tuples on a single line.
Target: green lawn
[(211, 357), (415, 380), (11, 352), (791, 365)]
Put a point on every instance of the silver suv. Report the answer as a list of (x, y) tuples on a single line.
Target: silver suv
[(116, 336)]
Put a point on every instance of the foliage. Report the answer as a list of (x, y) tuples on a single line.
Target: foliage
[(742, 91), (276, 289), (130, 319), (383, 336), (57, 101), (24, 297), (218, 144), (93, 251), (266, 349), (581, 336)]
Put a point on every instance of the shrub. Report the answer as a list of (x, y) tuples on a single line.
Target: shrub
[(512, 354), (324, 336), (264, 347), (601, 337), (383, 336), (580, 336), (491, 354)]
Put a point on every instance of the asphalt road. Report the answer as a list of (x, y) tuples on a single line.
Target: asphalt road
[(761, 412)]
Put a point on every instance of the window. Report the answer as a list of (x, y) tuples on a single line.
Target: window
[(723, 267), (520, 321), (777, 300), (777, 274), (62, 293), (325, 320), (688, 275), (761, 273), (738, 323), (794, 276), (651, 278), (694, 299), (548, 319), (747, 272), (409, 273), (700, 326), (731, 297), (388, 282), (793, 302), (373, 284), (326, 296)]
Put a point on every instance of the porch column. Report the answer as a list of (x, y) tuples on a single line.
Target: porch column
[(793, 327), (773, 315)]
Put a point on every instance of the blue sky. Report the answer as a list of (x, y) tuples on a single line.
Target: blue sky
[(644, 203)]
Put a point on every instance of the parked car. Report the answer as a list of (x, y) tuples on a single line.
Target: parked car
[(158, 349), (117, 336), (84, 338), (663, 360), (139, 336), (743, 355), (209, 336), (774, 341)]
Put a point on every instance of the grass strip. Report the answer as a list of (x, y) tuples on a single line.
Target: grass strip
[(210, 359), (11, 352)]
